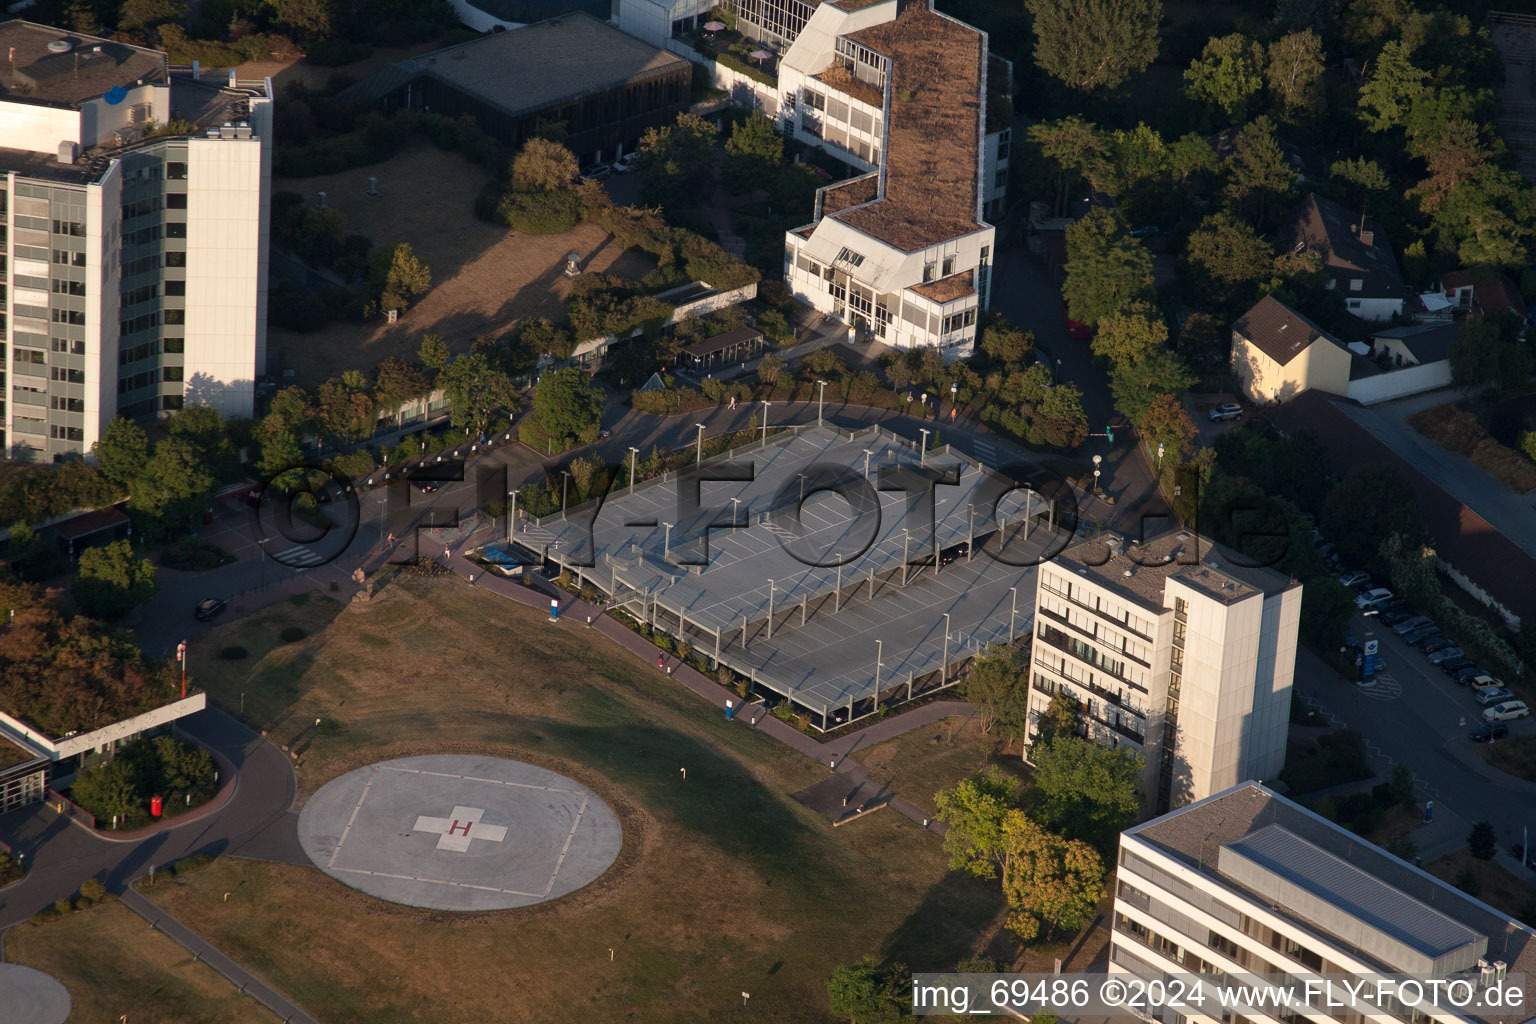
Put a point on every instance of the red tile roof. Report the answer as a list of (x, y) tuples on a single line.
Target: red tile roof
[(1490, 292)]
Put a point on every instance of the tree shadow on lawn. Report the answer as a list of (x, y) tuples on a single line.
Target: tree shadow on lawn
[(944, 928), (719, 799)]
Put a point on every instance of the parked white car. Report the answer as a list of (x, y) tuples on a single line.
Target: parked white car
[(1510, 709), (1369, 601), (1354, 579), (624, 164)]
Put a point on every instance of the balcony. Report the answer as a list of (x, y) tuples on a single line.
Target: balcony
[(1079, 650), (1109, 696), (1056, 616), (1098, 612)]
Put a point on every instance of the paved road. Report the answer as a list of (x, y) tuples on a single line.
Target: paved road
[(1414, 716), (64, 854), (202, 950)]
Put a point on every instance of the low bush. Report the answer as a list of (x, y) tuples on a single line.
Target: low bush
[(190, 864), (234, 653), (540, 211), (193, 555), (292, 634)]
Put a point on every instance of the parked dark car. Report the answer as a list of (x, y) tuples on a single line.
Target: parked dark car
[(1490, 731), (1465, 675), (206, 610), (1395, 613), (1421, 634), (1453, 665), (1435, 643)]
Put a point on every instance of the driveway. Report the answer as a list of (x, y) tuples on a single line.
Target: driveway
[(64, 854)]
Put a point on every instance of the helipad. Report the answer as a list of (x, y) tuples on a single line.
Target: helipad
[(455, 832)]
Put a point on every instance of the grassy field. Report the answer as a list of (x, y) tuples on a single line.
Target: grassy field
[(485, 278), (724, 885), (924, 761), (1516, 755), (113, 964)]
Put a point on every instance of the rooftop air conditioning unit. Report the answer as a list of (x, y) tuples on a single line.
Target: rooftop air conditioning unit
[(69, 151)]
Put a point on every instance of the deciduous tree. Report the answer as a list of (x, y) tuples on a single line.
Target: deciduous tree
[(542, 165), (1134, 384), (122, 451), (1227, 259), (112, 582), (1130, 334), (568, 406), (1294, 72), (433, 352), (174, 488), (400, 276), (868, 992), (1166, 424), (476, 389), (1053, 884), (1228, 75), (1258, 175), (1107, 269), (1085, 790), (753, 154), (998, 687), (974, 811), (1095, 45)]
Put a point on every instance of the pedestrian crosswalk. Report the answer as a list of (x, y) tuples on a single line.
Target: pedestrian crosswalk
[(986, 452), (298, 557)]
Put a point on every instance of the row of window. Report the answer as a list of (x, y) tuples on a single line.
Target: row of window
[(68, 258), (148, 378), (959, 321), (76, 347), (173, 346)]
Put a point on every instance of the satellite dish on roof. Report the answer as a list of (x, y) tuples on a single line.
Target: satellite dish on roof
[(116, 95)]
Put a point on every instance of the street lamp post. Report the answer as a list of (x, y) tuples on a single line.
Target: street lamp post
[(766, 404), (699, 456), (867, 454), (666, 544), (879, 655), (263, 543), (922, 458), (633, 451), (1013, 613), (770, 609), (906, 539), (802, 488), (565, 485), (944, 668), (736, 512), (511, 515), (820, 398)]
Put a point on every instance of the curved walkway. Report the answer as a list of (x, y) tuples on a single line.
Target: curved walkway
[(62, 856)]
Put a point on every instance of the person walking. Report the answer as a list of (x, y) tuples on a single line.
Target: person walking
[(661, 661)]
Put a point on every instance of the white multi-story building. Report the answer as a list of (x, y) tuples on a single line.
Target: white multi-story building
[(1246, 882), (913, 98), (134, 205), (901, 253), (1175, 649)]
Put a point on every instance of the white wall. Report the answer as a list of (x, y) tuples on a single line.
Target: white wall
[(652, 21), (1321, 366), (477, 19), (103, 233), (1410, 380), (59, 749), (1373, 309), (100, 119), (36, 128), (225, 245)]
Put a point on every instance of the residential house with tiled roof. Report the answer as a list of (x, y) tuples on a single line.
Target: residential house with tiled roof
[(1482, 293), (1278, 354), (1356, 256)]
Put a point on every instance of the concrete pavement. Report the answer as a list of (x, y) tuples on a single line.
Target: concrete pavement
[(1414, 716)]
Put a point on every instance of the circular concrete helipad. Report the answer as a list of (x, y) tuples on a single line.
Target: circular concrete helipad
[(454, 832), (32, 997)]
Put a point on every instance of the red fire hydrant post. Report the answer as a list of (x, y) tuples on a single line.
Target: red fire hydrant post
[(156, 806)]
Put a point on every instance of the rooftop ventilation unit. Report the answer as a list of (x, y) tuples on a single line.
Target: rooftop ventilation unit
[(60, 46)]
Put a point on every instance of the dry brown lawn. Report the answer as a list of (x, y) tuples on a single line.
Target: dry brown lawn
[(114, 965), (1457, 430), (725, 884), (485, 278), (1495, 886), (924, 761)]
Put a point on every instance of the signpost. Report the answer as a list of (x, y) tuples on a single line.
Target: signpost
[(554, 609), (1368, 658)]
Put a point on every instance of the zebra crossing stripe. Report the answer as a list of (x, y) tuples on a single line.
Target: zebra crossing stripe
[(298, 555)]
